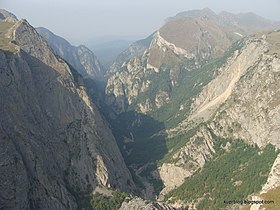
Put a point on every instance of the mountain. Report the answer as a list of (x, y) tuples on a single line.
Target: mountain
[(6, 14), (81, 58), (190, 119), (185, 41), (56, 148), (135, 49), (236, 111), (196, 109), (108, 51), (243, 23)]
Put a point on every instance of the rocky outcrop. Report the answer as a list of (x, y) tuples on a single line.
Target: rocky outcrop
[(55, 145), (273, 180), (187, 160), (135, 203), (134, 50), (80, 57), (7, 14), (161, 98), (146, 107), (124, 86), (252, 110), (215, 93)]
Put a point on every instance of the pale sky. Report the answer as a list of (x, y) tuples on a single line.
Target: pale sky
[(84, 20)]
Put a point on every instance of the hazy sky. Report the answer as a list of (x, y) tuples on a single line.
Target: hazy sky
[(84, 20)]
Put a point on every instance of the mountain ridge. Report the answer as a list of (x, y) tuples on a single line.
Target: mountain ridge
[(55, 145), (79, 57)]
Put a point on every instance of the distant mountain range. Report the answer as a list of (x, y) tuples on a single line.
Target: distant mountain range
[(187, 118)]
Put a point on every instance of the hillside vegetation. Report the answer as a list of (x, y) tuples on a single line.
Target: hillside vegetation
[(232, 175)]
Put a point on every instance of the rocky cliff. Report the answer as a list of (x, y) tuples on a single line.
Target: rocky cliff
[(80, 57), (7, 14), (139, 203), (55, 145)]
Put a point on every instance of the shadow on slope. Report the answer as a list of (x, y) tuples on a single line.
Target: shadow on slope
[(46, 138), (141, 149)]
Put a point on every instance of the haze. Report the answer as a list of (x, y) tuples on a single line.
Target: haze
[(89, 20)]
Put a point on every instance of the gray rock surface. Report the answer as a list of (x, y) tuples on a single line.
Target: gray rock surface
[(136, 203), (7, 14), (54, 144), (187, 160)]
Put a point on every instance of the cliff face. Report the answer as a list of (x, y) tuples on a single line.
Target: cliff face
[(80, 57), (251, 105), (7, 14), (55, 146)]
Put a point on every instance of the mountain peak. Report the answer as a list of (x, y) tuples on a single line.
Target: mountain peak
[(205, 12), (7, 14)]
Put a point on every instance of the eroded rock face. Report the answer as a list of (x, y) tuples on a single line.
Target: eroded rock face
[(217, 92), (172, 176), (273, 180), (136, 49), (189, 158), (7, 14), (139, 203), (80, 57), (252, 111), (54, 143), (124, 86)]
